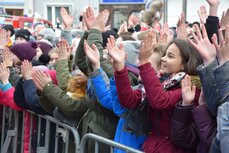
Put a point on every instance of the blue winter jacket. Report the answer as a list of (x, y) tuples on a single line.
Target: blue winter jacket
[(106, 93), (26, 96)]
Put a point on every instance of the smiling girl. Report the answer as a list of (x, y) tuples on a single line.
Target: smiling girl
[(162, 90)]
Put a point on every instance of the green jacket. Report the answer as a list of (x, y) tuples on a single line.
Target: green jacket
[(97, 119), (94, 36)]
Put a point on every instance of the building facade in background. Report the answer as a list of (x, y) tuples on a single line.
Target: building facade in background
[(120, 9)]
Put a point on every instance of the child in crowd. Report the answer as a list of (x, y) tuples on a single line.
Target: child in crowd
[(180, 57)]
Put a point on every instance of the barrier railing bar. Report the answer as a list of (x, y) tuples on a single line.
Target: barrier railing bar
[(38, 131), (105, 141), (112, 150), (56, 139), (30, 132), (3, 125), (47, 134), (96, 147), (15, 138), (67, 141), (23, 128)]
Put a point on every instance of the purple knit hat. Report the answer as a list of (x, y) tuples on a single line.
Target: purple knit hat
[(45, 47), (25, 51)]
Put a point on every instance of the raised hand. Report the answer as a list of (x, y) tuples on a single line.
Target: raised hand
[(117, 53), (223, 47), (7, 57), (182, 32), (26, 70), (202, 44), (123, 28), (3, 38), (213, 2), (181, 19), (93, 55), (224, 20), (188, 91), (101, 21), (67, 19), (165, 36), (89, 17), (64, 50), (41, 79), (4, 74), (147, 47), (202, 12)]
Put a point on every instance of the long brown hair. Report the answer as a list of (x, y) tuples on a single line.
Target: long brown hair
[(190, 57)]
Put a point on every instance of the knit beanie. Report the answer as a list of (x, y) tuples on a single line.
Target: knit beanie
[(106, 35), (132, 48), (10, 28), (41, 68), (45, 47), (24, 51), (23, 33), (48, 34)]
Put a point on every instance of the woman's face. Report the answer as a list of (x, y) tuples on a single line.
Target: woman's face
[(53, 58), (172, 61), (39, 53), (16, 61), (19, 40)]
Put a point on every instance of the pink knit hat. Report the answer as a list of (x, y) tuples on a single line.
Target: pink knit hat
[(24, 51)]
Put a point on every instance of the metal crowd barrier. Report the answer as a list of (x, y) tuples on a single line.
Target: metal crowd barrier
[(100, 139), (13, 128), (12, 133)]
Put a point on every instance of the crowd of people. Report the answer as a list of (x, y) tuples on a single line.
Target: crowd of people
[(147, 86)]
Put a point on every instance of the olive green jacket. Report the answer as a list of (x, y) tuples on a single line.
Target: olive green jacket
[(97, 119)]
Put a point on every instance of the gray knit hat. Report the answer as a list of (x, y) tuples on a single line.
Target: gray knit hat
[(132, 48)]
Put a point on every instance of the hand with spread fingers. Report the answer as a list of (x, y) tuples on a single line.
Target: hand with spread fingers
[(93, 55), (182, 32), (123, 28), (26, 70), (89, 17), (4, 74), (202, 13), (147, 47), (64, 50), (7, 57), (202, 44), (67, 19), (181, 19), (223, 47), (40, 79), (224, 20), (165, 36), (101, 21), (117, 53), (188, 91)]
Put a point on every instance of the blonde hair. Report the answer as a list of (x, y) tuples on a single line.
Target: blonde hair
[(53, 50)]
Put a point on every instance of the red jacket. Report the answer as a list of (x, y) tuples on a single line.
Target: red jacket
[(7, 99), (161, 105)]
